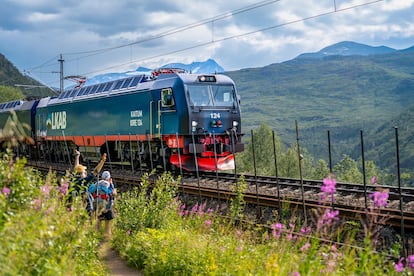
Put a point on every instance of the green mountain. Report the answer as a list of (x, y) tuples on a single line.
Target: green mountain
[(11, 76), (344, 88), (342, 94)]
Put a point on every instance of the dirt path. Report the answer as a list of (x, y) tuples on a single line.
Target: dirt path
[(116, 265)]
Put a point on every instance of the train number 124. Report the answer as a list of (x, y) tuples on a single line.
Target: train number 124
[(214, 115)]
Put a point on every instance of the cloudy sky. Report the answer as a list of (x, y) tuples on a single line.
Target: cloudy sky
[(100, 36)]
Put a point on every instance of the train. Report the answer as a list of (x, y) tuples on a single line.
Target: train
[(170, 118)]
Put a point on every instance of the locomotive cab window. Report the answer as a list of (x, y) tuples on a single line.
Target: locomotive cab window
[(223, 95), (167, 97), (212, 95)]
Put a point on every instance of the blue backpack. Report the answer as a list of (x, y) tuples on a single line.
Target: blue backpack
[(100, 197)]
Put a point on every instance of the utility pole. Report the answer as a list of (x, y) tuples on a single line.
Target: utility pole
[(61, 60)]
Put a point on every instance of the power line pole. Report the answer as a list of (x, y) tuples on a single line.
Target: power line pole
[(61, 60)]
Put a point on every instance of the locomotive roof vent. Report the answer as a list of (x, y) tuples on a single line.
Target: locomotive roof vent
[(11, 104)]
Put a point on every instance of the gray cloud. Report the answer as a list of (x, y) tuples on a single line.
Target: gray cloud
[(35, 32)]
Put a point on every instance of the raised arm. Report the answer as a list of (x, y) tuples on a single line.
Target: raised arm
[(99, 167), (77, 155)]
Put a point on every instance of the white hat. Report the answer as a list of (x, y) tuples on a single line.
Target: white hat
[(106, 175)]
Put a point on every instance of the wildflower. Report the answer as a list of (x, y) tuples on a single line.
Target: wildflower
[(380, 198), (6, 191), (48, 211), (305, 230), (329, 186), (289, 235), (330, 216), (181, 210), (37, 204), (45, 190), (277, 229), (305, 247), (64, 188), (208, 222), (194, 209), (296, 274), (374, 180), (410, 261), (201, 208), (128, 232), (399, 266)]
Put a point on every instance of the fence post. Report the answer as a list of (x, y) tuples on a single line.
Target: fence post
[(277, 177), (300, 171), (399, 190), (363, 170)]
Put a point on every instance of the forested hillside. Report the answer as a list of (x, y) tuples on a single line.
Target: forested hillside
[(343, 94), (10, 76)]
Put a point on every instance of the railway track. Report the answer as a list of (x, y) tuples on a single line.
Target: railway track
[(351, 200)]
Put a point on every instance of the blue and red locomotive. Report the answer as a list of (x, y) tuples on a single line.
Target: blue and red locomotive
[(174, 118)]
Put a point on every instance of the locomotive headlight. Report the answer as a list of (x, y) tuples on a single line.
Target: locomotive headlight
[(235, 123), (194, 125)]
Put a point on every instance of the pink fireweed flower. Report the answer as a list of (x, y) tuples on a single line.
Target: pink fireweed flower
[(380, 199), (305, 247), (410, 261), (305, 230), (64, 188), (194, 209), (329, 216), (181, 210), (45, 190), (374, 180), (49, 210), (399, 267), (328, 189), (329, 186), (6, 191), (128, 232), (277, 229), (37, 204), (200, 211), (208, 222)]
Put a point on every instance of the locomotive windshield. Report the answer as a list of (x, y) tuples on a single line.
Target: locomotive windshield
[(212, 95)]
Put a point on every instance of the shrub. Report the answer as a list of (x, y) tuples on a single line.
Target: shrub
[(39, 235)]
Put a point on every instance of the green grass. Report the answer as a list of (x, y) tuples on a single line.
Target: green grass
[(38, 235), (196, 240)]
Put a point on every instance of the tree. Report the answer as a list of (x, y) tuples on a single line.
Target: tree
[(347, 171), (263, 152), (289, 163), (9, 93), (321, 171)]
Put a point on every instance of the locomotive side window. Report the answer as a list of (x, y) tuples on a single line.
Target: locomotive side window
[(167, 97)]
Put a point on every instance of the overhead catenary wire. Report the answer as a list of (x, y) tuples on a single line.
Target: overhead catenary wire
[(234, 36), (211, 20)]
